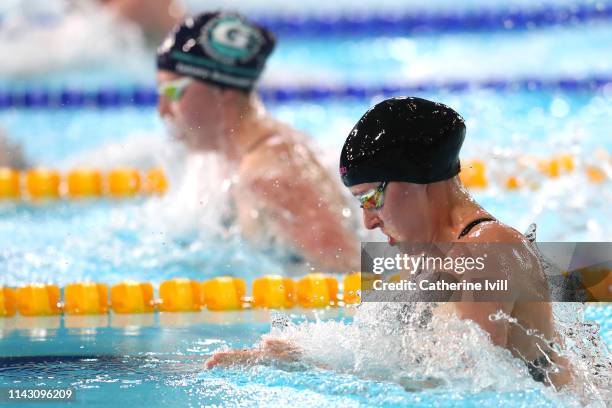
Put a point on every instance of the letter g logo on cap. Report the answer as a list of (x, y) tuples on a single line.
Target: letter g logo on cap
[(229, 39)]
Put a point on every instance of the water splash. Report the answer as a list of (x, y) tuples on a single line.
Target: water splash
[(397, 342)]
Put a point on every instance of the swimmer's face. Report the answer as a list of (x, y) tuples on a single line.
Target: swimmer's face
[(197, 116), (404, 216)]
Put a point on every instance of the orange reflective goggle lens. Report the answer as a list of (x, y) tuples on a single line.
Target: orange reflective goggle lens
[(374, 198)]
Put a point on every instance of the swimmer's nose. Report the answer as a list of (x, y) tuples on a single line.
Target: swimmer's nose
[(370, 219), (163, 106)]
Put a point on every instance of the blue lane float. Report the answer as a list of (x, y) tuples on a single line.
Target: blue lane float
[(427, 22), (438, 22), (147, 96)]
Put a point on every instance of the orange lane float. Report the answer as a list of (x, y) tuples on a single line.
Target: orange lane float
[(8, 303), (595, 174), (317, 290), (86, 298), (10, 185), (156, 182), (43, 184), (123, 182), (84, 183), (274, 292), (473, 174), (180, 295), (132, 297), (224, 293), (352, 288), (38, 300)]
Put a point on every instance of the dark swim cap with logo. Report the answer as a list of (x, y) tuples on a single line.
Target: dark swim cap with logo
[(403, 139), (223, 49)]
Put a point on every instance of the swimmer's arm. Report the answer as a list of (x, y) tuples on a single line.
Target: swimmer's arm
[(480, 313), (270, 350), (310, 224)]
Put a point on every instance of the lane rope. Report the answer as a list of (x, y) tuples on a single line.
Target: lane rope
[(146, 96)]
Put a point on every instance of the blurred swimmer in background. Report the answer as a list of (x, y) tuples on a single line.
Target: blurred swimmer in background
[(43, 36), (155, 18), (207, 68), (11, 154)]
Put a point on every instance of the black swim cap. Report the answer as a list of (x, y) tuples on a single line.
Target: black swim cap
[(403, 139), (223, 49)]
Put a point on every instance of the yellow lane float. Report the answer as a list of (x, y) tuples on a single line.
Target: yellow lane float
[(10, 186), (473, 174), (274, 292), (132, 297), (86, 298), (514, 182), (156, 182), (8, 304), (123, 182), (598, 284), (595, 174), (38, 300), (180, 295), (40, 183), (84, 183), (43, 184), (224, 293), (317, 290), (352, 288)]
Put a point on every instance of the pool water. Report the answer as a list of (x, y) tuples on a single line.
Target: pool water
[(161, 364), (158, 360)]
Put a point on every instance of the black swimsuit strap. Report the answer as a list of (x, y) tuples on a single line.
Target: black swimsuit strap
[(472, 224)]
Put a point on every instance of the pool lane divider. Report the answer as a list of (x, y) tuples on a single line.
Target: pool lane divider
[(414, 21), (144, 97), (226, 293), (446, 21), (315, 291), (42, 184)]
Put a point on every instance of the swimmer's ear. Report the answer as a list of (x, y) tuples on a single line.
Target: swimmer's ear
[(232, 97)]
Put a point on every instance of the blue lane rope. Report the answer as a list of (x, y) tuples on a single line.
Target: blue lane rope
[(147, 96), (425, 22), (449, 21)]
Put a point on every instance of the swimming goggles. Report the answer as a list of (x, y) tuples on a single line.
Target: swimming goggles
[(174, 89), (374, 198)]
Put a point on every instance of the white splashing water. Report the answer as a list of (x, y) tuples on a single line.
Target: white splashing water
[(393, 342)]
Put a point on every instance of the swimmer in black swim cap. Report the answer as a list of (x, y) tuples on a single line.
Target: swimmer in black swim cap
[(401, 161), (403, 139), (408, 147), (208, 68)]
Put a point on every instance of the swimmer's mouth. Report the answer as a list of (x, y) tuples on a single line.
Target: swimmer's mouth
[(390, 239)]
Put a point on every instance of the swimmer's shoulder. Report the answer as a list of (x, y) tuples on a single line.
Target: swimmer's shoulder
[(274, 154), (505, 239), (492, 232)]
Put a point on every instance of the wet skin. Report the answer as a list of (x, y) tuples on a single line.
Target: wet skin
[(444, 209), (283, 193)]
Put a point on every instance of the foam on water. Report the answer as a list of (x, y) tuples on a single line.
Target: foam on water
[(392, 342)]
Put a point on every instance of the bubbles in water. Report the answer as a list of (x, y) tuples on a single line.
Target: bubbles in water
[(559, 107), (398, 342)]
